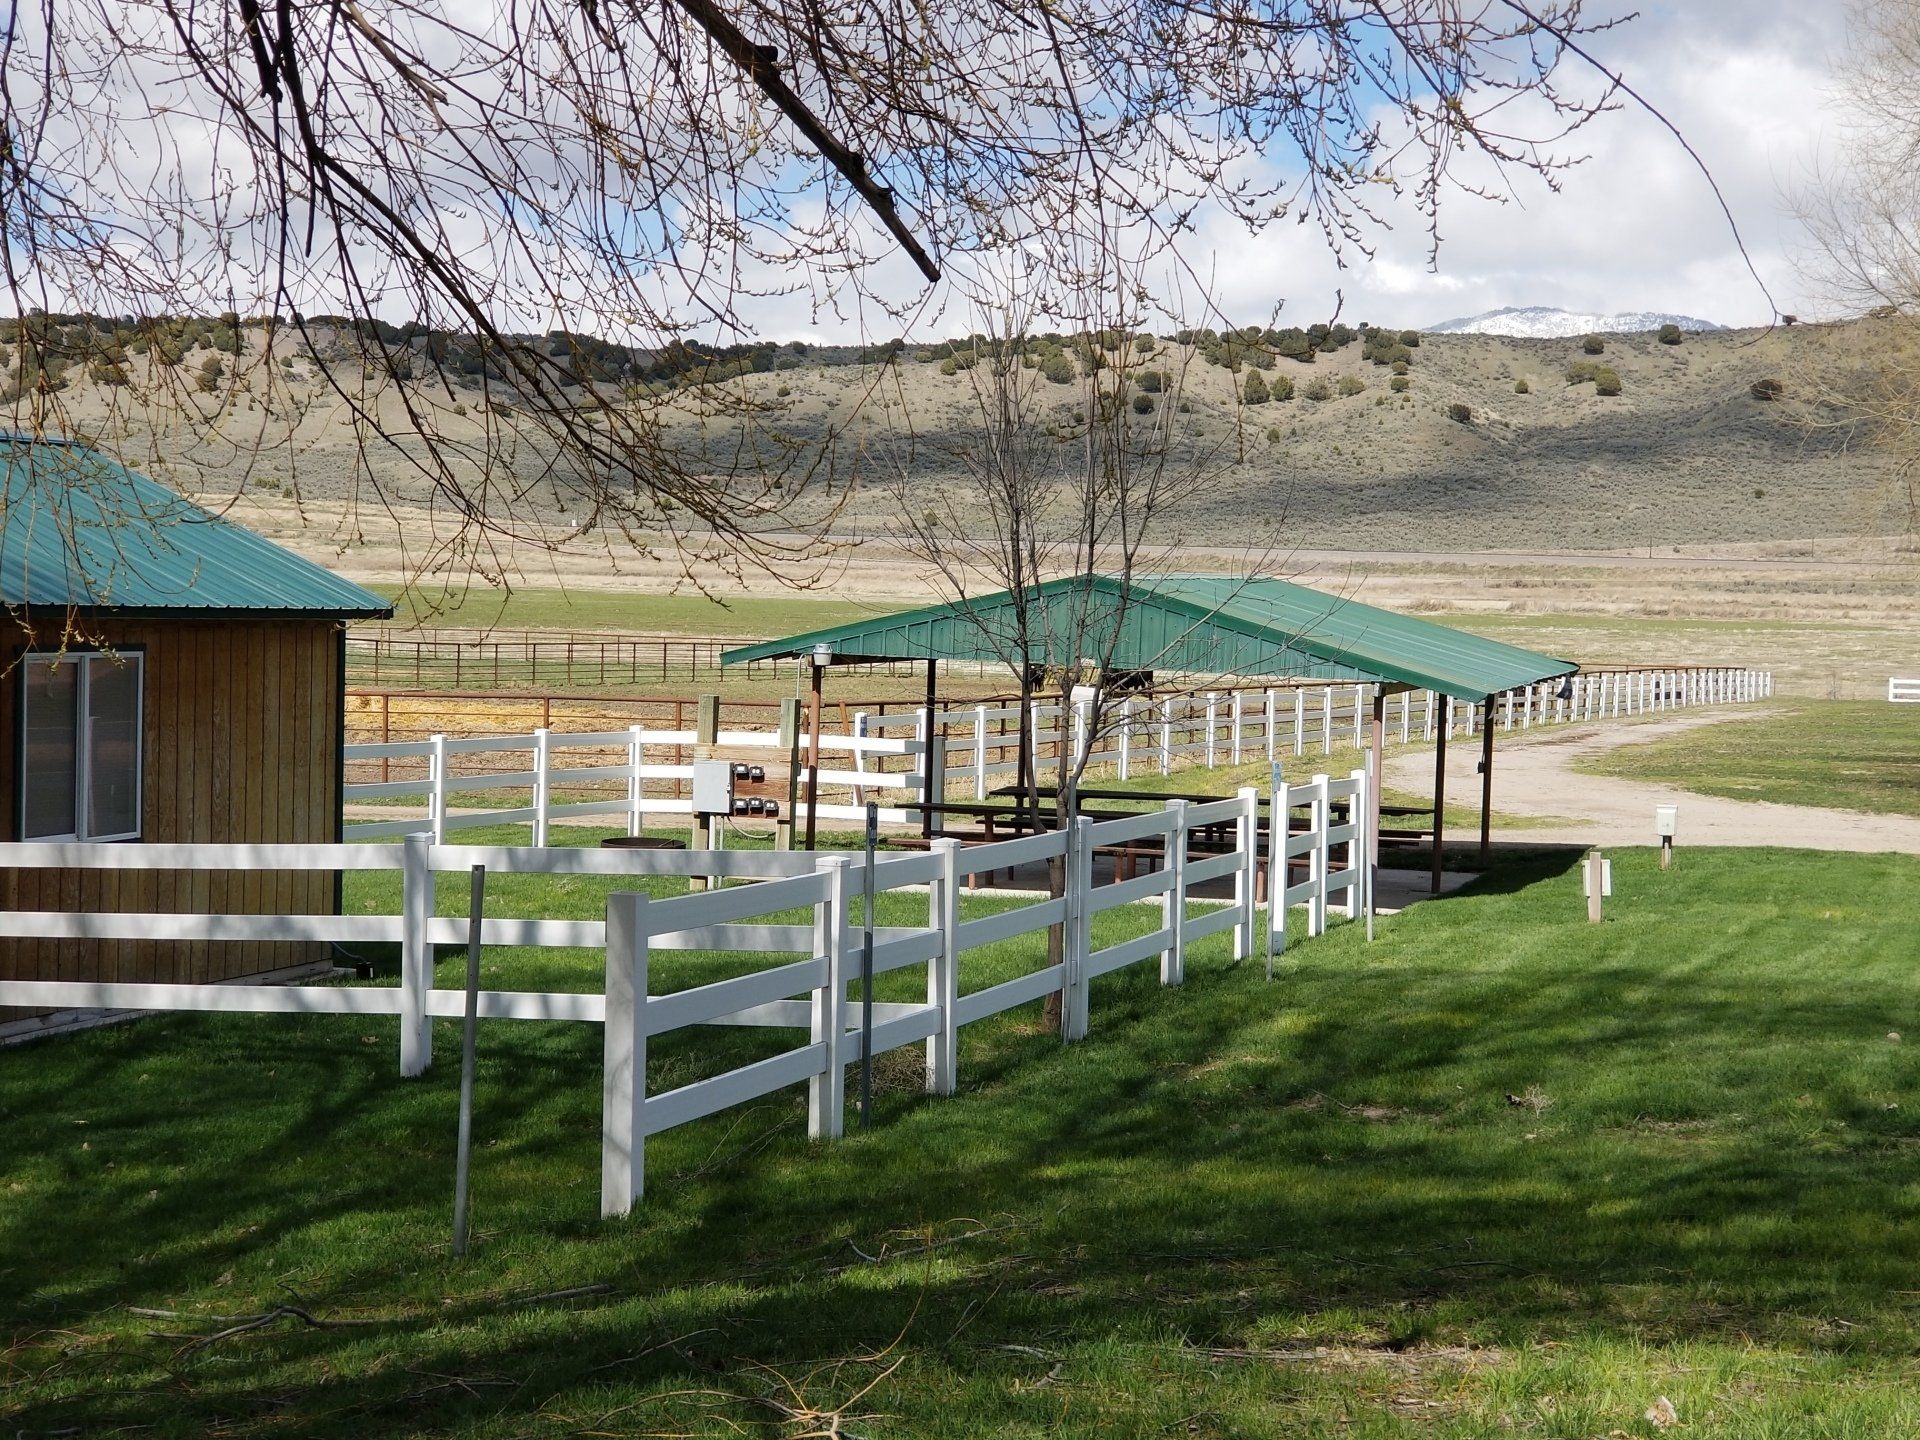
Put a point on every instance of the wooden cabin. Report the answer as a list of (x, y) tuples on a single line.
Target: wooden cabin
[(165, 676)]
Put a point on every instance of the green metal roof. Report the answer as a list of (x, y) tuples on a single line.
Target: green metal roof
[(1194, 625), (80, 530)]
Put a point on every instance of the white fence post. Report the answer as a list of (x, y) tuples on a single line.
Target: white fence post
[(1322, 823), (1272, 733), (1213, 723), (1126, 737), (1239, 718), (623, 1084), (929, 777), (1426, 714), (1166, 736), (636, 786), (1359, 895), (1360, 716), (1076, 933), (1326, 720), (542, 768), (827, 1090), (1246, 888), (859, 754), (1406, 715), (416, 955), (943, 971), (437, 800), (1277, 876), (979, 752), (1173, 902), (1299, 721)]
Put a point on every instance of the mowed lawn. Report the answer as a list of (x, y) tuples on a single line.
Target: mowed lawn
[(1842, 754), (752, 617), (1498, 1173)]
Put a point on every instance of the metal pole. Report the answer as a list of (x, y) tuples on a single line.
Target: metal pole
[(866, 973), (463, 1147)]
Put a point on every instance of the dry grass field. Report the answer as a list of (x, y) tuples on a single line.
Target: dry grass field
[(1680, 520), (1683, 455)]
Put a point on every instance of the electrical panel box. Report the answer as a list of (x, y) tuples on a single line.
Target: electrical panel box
[(712, 787)]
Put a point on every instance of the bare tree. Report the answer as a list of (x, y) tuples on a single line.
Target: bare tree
[(1863, 214), (398, 194), (1084, 486)]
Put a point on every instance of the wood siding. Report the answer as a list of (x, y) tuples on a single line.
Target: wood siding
[(241, 736)]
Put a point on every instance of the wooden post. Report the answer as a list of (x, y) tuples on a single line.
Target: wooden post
[(1439, 788), (1486, 787), (1596, 872)]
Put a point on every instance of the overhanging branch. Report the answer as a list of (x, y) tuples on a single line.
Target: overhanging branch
[(762, 65)]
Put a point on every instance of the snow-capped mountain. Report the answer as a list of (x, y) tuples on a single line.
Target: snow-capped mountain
[(1544, 322)]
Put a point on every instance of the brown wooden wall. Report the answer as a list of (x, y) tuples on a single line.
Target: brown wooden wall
[(242, 728)]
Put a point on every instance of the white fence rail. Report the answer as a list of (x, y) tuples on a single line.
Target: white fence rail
[(1903, 691), (972, 749), (1193, 844)]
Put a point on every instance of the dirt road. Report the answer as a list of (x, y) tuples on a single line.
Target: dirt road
[(1535, 775)]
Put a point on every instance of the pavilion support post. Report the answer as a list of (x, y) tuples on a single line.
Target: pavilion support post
[(790, 743), (813, 753), (1375, 757), (1486, 787), (1440, 787), (706, 828), (930, 790)]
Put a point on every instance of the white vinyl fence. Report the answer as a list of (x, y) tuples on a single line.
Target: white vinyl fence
[(972, 749), (1903, 691), (807, 994)]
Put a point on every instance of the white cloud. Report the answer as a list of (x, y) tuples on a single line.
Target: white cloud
[(1749, 84)]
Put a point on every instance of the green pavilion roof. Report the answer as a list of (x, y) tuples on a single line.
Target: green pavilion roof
[(1194, 625), (78, 530)]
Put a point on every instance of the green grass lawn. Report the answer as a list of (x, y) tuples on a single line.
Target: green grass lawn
[(1844, 754), (749, 616), (1305, 1207)]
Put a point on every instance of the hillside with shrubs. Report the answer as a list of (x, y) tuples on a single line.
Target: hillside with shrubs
[(1350, 434)]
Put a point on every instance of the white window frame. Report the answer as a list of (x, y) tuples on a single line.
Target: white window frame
[(83, 741)]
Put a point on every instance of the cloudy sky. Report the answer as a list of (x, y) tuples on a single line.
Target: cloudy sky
[(1750, 83)]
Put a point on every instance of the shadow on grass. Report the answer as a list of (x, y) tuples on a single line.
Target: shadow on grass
[(1496, 1122)]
